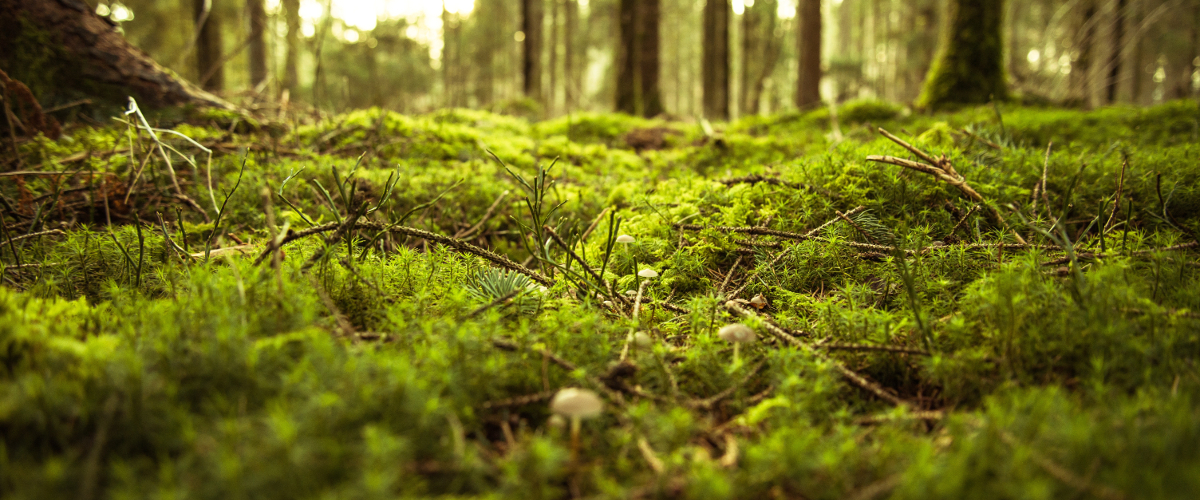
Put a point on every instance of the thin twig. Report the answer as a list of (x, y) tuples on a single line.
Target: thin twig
[(486, 216), (850, 375)]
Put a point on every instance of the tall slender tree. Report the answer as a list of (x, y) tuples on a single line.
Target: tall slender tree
[(638, 66), (808, 45), (257, 43), (1115, 50), (714, 68), (210, 71), (291, 72), (531, 23), (969, 67)]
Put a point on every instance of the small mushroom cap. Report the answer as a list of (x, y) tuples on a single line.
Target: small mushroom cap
[(576, 403), (759, 301), (625, 238), (648, 273), (642, 339), (737, 333)]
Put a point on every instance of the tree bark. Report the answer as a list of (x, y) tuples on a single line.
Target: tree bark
[(63, 50), (571, 58), (649, 17), (638, 59), (1114, 58), (210, 71), (808, 44), (969, 68), (257, 43), (531, 22), (715, 67), (291, 73), (1081, 67)]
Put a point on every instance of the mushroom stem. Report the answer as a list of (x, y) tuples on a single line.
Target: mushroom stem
[(576, 424), (736, 360)]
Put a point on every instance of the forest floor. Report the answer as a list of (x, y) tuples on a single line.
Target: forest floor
[(382, 306)]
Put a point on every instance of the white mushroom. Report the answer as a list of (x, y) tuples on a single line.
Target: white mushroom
[(576, 404), (648, 273), (737, 334), (625, 238), (642, 340), (759, 302)]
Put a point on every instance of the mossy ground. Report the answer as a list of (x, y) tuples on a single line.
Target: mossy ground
[(377, 365)]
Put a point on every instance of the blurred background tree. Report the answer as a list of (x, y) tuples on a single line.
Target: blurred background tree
[(685, 58)]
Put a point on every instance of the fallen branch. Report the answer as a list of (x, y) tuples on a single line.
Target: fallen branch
[(850, 375), (943, 170), (453, 243)]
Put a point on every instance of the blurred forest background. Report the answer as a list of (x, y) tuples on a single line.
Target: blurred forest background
[(545, 58)]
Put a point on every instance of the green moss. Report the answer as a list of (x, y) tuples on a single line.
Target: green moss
[(385, 368)]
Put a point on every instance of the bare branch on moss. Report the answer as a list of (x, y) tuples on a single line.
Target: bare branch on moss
[(850, 375), (943, 170)]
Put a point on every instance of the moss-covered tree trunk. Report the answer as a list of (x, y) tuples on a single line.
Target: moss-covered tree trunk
[(63, 51), (969, 67)]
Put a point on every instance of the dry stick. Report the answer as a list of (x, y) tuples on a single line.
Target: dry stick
[(964, 219), (558, 239), (942, 169), (1042, 182), (781, 255), (1117, 203), (850, 375), (566, 365), (648, 454), (839, 346), (637, 304), (857, 227), (486, 217), (455, 244), (785, 235), (35, 235), (12, 135), (595, 222), (725, 282), (519, 400)]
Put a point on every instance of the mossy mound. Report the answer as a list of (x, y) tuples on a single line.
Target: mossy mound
[(382, 309)]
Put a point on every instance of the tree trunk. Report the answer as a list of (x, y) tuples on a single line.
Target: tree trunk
[(638, 59), (64, 51), (1114, 58), (1081, 67), (291, 74), (571, 58), (555, 38), (969, 68), (649, 17), (257, 43), (760, 49), (531, 22), (210, 70), (484, 53), (808, 44), (715, 67)]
